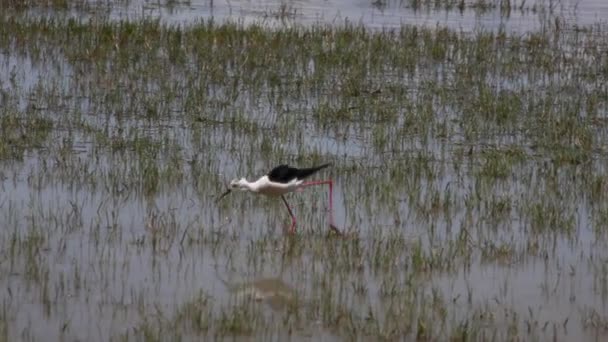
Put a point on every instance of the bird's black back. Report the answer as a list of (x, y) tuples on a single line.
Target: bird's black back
[(284, 173)]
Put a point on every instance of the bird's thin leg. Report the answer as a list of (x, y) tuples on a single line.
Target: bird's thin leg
[(331, 200), (293, 218)]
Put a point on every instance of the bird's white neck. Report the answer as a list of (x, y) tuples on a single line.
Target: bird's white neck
[(248, 186)]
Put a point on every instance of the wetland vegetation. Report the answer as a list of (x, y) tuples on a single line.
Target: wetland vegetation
[(470, 172)]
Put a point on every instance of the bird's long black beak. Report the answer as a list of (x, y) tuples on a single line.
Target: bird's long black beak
[(223, 195)]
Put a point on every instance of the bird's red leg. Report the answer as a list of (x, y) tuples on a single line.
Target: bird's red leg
[(331, 201), (293, 218)]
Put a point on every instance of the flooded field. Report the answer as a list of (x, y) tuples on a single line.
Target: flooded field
[(511, 15), (469, 156)]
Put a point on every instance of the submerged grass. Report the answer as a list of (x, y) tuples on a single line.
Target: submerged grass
[(454, 155), (22, 132)]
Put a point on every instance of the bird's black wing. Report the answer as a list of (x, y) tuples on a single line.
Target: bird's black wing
[(284, 173)]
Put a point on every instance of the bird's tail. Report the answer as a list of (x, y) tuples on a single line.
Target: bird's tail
[(303, 173)]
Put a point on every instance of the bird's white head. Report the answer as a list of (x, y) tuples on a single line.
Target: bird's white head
[(240, 184)]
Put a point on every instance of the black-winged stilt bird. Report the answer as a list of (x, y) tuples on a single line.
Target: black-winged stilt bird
[(282, 180)]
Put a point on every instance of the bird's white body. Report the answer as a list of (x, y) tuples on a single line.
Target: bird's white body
[(267, 187)]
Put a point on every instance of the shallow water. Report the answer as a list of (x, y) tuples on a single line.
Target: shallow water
[(520, 16)]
